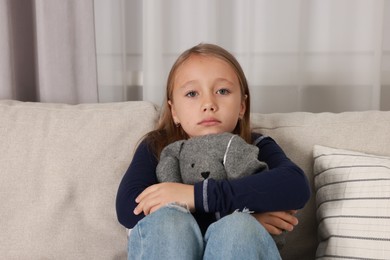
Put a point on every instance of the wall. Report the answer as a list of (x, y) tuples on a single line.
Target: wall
[(299, 55)]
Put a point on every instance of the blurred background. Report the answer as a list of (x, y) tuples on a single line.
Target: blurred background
[(298, 55)]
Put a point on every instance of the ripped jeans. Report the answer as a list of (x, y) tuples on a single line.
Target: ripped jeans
[(173, 233)]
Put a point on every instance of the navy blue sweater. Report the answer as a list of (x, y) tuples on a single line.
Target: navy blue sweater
[(283, 187)]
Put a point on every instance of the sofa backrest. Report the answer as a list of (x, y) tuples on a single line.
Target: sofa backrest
[(60, 168), (297, 133)]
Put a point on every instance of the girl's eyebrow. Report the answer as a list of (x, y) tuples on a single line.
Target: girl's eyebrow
[(219, 80), (188, 84), (194, 81)]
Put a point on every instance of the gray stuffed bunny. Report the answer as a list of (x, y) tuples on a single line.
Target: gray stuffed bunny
[(217, 156)]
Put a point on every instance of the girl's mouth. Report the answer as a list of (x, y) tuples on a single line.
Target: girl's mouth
[(209, 122)]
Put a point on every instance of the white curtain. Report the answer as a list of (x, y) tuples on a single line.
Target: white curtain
[(298, 55), (47, 51)]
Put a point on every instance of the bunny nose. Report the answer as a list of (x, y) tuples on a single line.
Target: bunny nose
[(205, 175)]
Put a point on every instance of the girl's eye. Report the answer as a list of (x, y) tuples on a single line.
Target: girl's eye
[(223, 91), (191, 94)]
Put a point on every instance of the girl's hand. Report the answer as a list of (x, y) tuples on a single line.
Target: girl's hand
[(159, 195), (276, 222)]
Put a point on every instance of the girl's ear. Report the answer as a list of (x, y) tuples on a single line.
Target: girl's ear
[(243, 106), (173, 112)]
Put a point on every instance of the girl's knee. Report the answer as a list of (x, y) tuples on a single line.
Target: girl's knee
[(171, 230), (238, 227), (239, 222), (241, 234), (172, 220), (172, 210)]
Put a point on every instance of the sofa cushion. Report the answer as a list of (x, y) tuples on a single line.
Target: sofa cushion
[(298, 132), (60, 167), (353, 204)]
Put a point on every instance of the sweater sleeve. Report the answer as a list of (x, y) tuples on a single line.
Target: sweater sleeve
[(283, 187), (140, 175)]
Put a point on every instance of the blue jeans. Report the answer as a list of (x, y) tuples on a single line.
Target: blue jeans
[(172, 233)]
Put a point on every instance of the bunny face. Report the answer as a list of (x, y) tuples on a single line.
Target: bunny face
[(206, 163), (217, 156)]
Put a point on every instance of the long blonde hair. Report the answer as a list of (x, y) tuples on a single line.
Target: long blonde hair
[(166, 131)]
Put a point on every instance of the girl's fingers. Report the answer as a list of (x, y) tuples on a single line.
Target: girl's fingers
[(156, 207), (279, 220), (147, 209), (286, 216), (272, 229), (291, 219), (145, 193), (146, 203), (158, 195), (280, 223)]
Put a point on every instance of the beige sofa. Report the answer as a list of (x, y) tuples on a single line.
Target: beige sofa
[(60, 166)]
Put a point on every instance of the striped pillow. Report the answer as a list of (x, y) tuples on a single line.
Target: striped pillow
[(353, 204)]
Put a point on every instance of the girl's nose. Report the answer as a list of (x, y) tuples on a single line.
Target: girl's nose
[(209, 104), (209, 107)]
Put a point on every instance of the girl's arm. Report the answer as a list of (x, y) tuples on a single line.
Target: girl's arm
[(283, 187), (140, 175)]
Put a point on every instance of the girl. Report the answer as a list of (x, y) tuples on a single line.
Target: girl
[(207, 93)]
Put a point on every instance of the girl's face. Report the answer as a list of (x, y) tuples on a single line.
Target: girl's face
[(206, 97)]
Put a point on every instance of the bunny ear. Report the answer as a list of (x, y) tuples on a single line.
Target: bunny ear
[(241, 159), (168, 168)]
